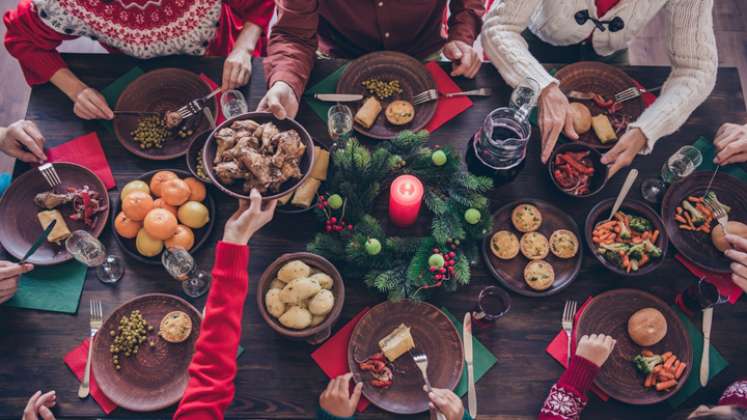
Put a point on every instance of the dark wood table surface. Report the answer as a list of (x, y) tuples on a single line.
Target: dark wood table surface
[(277, 378)]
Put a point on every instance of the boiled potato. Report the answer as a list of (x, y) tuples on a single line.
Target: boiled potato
[(299, 290), (323, 279), (272, 301), (296, 318), (293, 270), (322, 302), (317, 319), (276, 284)]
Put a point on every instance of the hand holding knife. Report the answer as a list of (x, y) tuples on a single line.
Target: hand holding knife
[(468, 358), (38, 242)]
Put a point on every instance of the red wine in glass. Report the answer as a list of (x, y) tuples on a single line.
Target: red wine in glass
[(699, 296), (492, 303)]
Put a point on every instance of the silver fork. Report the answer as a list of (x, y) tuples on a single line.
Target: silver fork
[(50, 174), (718, 211), (423, 97), (421, 360), (632, 93), (568, 313), (476, 92), (97, 316), (194, 106)]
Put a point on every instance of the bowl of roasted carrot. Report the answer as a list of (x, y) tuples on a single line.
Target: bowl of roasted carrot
[(577, 169), (631, 243)]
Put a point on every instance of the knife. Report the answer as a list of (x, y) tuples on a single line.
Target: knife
[(707, 319), (337, 97), (37, 243), (471, 394)]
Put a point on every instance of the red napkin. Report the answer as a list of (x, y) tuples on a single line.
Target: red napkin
[(558, 349), (219, 118), (332, 356), (647, 97), (723, 282), (86, 151), (446, 109), (76, 361)]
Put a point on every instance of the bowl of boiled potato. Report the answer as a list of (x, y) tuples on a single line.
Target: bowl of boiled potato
[(300, 295)]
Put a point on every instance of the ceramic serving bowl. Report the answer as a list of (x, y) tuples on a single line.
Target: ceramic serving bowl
[(598, 180), (194, 151)]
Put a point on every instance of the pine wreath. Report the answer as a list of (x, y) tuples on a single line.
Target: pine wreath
[(402, 267)]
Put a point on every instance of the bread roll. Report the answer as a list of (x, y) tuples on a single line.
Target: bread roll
[(647, 327), (581, 118)]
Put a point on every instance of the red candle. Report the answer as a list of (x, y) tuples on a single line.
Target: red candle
[(405, 196)]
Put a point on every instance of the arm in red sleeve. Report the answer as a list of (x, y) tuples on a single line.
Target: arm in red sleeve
[(258, 12), (293, 42), (33, 43), (213, 367), (567, 397), (465, 21)]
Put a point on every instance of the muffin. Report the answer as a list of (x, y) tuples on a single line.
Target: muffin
[(534, 246), (539, 275), (399, 112), (526, 218), (175, 327), (563, 243), (504, 245)]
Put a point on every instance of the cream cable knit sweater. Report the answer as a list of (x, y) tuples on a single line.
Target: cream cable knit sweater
[(689, 38)]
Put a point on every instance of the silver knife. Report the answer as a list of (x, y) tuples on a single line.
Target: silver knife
[(707, 319), (337, 97), (37, 243), (710, 182), (471, 393)]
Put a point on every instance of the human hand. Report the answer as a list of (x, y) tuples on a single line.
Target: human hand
[(237, 69), (626, 149), (337, 399), (595, 348), (90, 105), (24, 141), (280, 100), (465, 61), (731, 144), (446, 402), (555, 115), (39, 405), (739, 257), (9, 275), (249, 218)]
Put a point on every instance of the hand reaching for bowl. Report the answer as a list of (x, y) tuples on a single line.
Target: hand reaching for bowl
[(280, 100), (739, 257), (337, 399), (626, 149), (731, 144), (39, 406), (446, 402), (24, 141), (10, 273), (555, 116), (595, 348), (249, 218)]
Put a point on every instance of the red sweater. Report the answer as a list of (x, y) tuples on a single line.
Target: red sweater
[(213, 368)]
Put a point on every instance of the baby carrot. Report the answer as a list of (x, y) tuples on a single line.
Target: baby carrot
[(686, 227), (647, 353), (666, 355), (649, 382), (695, 199), (655, 236), (680, 219), (657, 369), (669, 362), (679, 210), (680, 370), (661, 386)]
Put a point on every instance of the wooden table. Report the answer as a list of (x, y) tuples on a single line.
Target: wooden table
[(276, 377)]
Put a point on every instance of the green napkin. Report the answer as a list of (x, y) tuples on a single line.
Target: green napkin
[(716, 361), (326, 85), (111, 93), (709, 152), (483, 359), (55, 289)]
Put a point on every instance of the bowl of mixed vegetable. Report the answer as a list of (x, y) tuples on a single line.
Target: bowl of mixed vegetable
[(577, 169), (632, 243)]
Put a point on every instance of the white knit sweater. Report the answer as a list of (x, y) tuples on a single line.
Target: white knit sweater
[(689, 38)]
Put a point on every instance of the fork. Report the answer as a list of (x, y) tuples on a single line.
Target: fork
[(632, 93), (718, 212), (476, 92), (194, 106), (97, 316), (423, 97), (421, 360), (50, 174), (568, 313)]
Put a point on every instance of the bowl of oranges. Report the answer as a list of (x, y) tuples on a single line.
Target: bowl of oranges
[(162, 209)]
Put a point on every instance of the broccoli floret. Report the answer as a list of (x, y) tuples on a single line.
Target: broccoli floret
[(713, 199), (624, 229), (695, 215), (636, 252), (611, 256), (640, 224), (614, 247), (652, 250), (645, 364)]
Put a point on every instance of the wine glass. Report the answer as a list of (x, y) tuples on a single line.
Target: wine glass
[(181, 266), (88, 250), (679, 166), (233, 103), (339, 123)]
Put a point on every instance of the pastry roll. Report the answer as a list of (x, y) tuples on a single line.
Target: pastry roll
[(285, 199), (321, 164), (305, 194), (603, 128), (60, 231), (366, 115)]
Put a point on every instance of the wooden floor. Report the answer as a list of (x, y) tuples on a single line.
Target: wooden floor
[(730, 19)]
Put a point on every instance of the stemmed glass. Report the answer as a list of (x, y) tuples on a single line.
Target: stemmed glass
[(88, 250), (339, 123), (181, 266), (233, 103), (679, 166)]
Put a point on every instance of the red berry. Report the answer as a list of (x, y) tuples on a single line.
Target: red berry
[(350, 227), (438, 276), (333, 219), (451, 270), (432, 269), (436, 251), (452, 254), (442, 270), (328, 228)]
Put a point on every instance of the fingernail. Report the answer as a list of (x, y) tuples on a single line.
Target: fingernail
[(715, 160), (729, 253)]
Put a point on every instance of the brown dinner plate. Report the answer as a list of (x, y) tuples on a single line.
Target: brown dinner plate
[(19, 225), (433, 333), (608, 313), (697, 246), (161, 90), (602, 79), (510, 273), (154, 378), (389, 65)]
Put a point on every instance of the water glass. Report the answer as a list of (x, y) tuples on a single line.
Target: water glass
[(339, 122), (233, 103), (681, 164), (180, 265), (88, 250), (492, 303)]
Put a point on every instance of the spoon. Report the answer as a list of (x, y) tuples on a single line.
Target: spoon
[(632, 175)]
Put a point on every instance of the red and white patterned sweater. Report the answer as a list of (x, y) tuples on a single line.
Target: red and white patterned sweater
[(567, 397)]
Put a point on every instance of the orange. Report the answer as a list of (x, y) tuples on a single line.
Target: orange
[(197, 188), (158, 179), (183, 238), (126, 228), (193, 214), (175, 192), (160, 204), (160, 224), (136, 205)]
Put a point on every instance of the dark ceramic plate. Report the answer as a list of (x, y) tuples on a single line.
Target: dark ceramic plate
[(697, 246), (389, 65), (19, 225), (201, 235), (602, 211), (510, 273), (434, 335), (598, 179), (153, 379), (194, 151), (161, 90), (605, 80), (608, 313)]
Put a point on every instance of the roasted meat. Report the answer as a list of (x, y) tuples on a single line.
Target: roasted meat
[(50, 200)]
